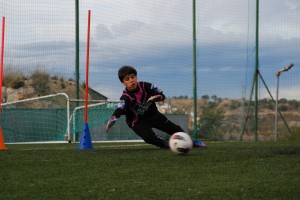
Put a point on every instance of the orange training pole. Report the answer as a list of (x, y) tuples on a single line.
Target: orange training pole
[(87, 70), (2, 60), (86, 141), (2, 145)]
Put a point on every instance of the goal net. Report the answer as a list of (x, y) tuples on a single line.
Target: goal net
[(98, 114), (39, 119), (56, 118)]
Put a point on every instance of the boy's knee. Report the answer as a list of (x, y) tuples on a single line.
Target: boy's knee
[(148, 140)]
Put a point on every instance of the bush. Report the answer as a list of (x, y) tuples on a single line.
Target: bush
[(63, 86), (294, 104), (54, 77), (14, 79), (210, 123), (283, 108), (18, 83), (41, 82), (270, 106), (294, 136)]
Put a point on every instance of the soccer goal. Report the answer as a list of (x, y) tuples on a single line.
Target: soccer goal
[(98, 114), (53, 118), (40, 119)]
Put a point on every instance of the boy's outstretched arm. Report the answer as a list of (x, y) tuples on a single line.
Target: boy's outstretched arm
[(115, 116), (156, 98), (112, 120)]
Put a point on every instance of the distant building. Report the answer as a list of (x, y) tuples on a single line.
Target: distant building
[(96, 95)]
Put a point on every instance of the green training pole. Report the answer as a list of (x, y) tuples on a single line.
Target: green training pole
[(77, 49), (256, 71), (254, 89), (77, 56), (194, 69)]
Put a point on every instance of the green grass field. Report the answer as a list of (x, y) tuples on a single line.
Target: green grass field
[(226, 170)]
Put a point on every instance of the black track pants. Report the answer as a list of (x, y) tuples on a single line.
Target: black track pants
[(143, 128)]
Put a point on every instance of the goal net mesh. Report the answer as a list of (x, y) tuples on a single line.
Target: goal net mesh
[(56, 118), (35, 120)]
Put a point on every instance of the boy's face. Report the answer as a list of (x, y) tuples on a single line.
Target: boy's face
[(130, 82)]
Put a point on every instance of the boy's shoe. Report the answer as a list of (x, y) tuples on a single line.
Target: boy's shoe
[(199, 144)]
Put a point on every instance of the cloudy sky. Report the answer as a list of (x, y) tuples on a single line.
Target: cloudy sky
[(156, 37)]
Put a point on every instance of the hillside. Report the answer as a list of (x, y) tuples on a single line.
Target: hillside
[(232, 111), (55, 86)]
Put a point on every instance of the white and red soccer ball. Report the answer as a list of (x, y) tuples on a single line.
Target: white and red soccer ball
[(180, 143)]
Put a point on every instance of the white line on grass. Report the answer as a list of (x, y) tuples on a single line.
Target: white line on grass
[(105, 146)]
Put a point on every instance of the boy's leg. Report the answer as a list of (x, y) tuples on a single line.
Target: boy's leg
[(162, 123), (169, 127), (147, 134)]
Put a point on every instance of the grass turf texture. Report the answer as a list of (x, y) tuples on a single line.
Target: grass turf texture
[(226, 170)]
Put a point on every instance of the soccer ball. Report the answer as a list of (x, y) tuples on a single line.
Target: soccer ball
[(180, 143)]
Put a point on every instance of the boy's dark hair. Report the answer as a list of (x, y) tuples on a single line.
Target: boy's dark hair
[(125, 71)]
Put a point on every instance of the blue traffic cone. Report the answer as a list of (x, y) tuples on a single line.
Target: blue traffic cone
[(85, 140)]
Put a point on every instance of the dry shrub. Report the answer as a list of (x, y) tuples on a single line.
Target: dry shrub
[(41, 82)]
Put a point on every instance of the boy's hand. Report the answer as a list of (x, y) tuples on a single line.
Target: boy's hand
[(112, 120), (155, 98)]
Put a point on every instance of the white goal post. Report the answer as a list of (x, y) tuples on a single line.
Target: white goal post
[(36, 119), (51, 118)]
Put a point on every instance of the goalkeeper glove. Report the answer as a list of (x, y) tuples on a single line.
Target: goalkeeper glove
[(112, 120), (155, 98)]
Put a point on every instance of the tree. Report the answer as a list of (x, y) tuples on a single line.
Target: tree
[(210, 123), (214, 97), (205, 97)]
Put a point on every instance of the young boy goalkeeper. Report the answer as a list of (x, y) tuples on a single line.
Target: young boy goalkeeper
[(137, 103)]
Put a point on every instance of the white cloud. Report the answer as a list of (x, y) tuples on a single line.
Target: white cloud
[(292, 4), (290, 92), (282, 22), (154, 35)]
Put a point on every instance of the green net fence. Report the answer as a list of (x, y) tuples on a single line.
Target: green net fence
[(157, 39), (56, 118)]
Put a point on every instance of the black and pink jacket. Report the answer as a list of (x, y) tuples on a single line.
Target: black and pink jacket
[(134, 104)]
